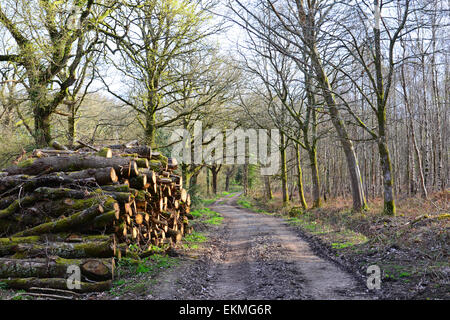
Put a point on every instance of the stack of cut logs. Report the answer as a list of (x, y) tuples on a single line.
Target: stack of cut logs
[(86, 207)]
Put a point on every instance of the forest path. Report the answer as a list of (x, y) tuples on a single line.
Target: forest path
[(256, 256)]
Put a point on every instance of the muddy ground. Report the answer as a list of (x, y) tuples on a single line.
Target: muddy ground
[(251, 256)]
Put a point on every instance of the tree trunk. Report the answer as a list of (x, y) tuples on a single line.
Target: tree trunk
[(317, 203), (214, 181), (245, 178), (383, 149), (359, 200), (42, 135), (150, 130), (269, 195), (207, 182), (301, 194), (284, 184)]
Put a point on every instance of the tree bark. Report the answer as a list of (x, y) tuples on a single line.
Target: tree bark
[(55, 283), (98, 269), (301, 194), (284, 185), (62, 249), (75, 221), (35, 166)]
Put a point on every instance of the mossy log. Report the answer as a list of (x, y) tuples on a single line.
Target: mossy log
[(142, 163), (138, 182), (58, 146), (55, 283), (55, 267), (117, 188), (7, 245), (142, 151), (6, 201), (19, 203), (69, 206), (103, 176), (46, 211), (58, 193), (35, 166), (23, 183), (155, 165), (105, 219), (104, 152), (64, 249), (121, 197), (151, 175), (74, 222)]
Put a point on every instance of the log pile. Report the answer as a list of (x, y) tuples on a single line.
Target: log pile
[(86, 207)]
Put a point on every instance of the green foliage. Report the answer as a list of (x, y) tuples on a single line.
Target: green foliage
[(339, 245), (244, 203), (208, 216), (195, 237), (192, 240), (13, 141), (147, 265), (295, 211)]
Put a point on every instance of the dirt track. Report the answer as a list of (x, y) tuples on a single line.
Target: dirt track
[(255, 256)]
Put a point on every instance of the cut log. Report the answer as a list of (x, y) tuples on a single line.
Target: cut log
[(17, 204), (68, 206), (103, 176), (104, 220), (34, 166), (175, 235), (58, 193), (117, 188), (172, 163), (74, 222), (56, 283), (138, 182), (58, 146), (104, 152), (24, 183), (64, 249), (142, 151), (121, 197), (54, 267), (183, 195)]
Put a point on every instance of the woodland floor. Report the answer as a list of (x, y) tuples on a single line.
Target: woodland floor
[(248, 256), (318, 254)]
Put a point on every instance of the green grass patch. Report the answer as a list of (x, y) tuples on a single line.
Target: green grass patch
[(147, 265), (340, 245), (244, 203), (207, 202), (207, 216), (191, 241)]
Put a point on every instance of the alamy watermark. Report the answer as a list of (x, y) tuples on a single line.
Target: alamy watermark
[(74, 278), (374, 277), (237, 146)]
